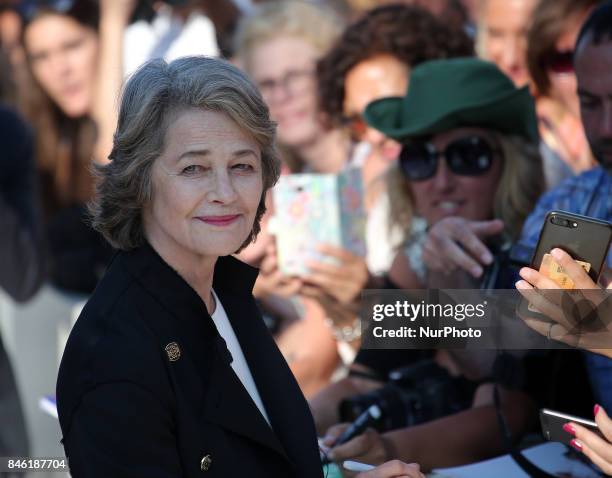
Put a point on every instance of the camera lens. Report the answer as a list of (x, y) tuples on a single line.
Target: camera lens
[(559, 221)]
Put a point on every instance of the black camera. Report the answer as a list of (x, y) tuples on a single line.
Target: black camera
[(415, 394)]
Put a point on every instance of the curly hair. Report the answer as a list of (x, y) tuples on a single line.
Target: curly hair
[(409, 33)]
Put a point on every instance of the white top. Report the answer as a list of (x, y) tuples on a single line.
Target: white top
[(239, 364), (381, 240), (168, 37)]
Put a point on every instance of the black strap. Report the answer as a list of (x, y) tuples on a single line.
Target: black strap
[(528, 467)]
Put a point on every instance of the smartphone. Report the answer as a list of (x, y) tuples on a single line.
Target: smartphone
[(586, 239), (311, 209), (552, 425)]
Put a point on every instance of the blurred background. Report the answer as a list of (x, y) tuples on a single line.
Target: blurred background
[(318, 64)]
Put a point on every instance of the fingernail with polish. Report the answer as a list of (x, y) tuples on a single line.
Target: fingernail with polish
[(576, 444), (596, 410), (569, 429)]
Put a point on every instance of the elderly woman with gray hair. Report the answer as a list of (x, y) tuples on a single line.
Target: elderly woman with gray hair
[(169, 370)]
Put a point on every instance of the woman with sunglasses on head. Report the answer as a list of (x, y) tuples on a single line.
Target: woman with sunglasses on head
[(469, 150), (73, 51), (551, 38)]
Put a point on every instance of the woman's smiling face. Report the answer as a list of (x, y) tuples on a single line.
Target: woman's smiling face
[(449, 194), (207, 185)]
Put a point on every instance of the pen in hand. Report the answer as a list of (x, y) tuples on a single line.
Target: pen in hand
[(363, 421)]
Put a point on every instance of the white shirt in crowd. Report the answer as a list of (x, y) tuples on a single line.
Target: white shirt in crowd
[(168, 37)]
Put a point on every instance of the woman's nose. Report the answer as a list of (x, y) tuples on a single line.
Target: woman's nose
[(223, 189), (444, 179)]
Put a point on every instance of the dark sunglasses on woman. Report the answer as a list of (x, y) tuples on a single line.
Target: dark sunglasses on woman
[(469, 156)]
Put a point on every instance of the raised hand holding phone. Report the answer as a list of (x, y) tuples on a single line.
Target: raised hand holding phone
[(567, 264), (592, 332)]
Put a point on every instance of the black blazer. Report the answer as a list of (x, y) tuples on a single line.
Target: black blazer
[(132, 406)]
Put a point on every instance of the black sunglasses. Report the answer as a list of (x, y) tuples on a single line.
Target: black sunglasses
[(469, 156)]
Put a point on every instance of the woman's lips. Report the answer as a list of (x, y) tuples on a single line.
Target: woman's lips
[(219, 220), (71, 90)]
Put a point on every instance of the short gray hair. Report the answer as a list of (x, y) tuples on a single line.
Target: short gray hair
[(151, 97)]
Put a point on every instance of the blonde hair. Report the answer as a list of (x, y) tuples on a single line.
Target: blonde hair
[(317, 24), (151, 99), (519, 187)]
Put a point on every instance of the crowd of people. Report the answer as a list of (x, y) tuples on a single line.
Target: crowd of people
[(468, 122)]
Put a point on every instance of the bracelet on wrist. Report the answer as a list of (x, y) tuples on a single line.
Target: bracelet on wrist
[(346, 333)]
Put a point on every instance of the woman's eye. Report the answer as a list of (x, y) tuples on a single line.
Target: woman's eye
[(38, 57), (192, 169), (243, 167)]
